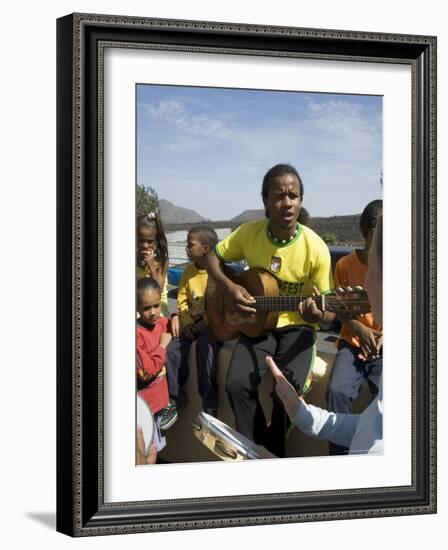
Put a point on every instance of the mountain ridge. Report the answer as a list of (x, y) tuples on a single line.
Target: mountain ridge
[(170, 213), (342, 229)]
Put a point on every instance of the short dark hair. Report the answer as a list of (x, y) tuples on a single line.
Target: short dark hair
[(369, 217), (275, 172), (206, 235), (147, 283)]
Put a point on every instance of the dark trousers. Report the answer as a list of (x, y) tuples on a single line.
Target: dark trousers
[(347, 377), (293, 350), (207, 349)]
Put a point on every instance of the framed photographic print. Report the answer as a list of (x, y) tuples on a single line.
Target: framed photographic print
[(181, 120)]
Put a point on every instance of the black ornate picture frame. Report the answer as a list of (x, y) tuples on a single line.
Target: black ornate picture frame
[(81, 509)]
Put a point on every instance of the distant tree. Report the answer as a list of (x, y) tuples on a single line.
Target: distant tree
[(147, 200), (330, 238)]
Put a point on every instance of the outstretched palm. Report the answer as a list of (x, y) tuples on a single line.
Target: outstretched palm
[(284, 389)]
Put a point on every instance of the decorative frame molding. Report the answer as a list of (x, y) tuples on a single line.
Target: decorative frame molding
[(81, 42)]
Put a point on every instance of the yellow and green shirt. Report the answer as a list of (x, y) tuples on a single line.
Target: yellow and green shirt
[(298, 265), (191, 295)]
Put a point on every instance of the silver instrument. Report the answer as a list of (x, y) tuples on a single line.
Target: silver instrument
[(222, 440)]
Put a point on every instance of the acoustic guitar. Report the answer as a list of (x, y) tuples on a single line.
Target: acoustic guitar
[(225, 321)]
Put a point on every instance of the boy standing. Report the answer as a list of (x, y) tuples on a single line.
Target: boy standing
[(193, 322), (359, 355)]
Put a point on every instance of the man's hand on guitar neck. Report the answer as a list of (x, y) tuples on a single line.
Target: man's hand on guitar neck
[(310, 313)]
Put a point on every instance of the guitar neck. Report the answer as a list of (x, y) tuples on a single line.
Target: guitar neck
[(285, 303)]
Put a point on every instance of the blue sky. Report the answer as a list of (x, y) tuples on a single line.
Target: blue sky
[(208, 148)]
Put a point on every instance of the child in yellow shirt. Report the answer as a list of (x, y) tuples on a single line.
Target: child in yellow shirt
[(152, 253), (193, 320)]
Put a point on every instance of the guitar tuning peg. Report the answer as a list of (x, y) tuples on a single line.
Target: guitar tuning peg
[(340, 290), (358, 288), (349, 289)]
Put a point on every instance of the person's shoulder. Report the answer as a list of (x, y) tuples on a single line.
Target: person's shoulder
[(346, 260), (253, 226), (163, 323), (349, 262), (312, 237), (190, 270), (141, 329), (249, 228)]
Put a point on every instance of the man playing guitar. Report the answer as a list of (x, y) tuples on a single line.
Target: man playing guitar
[(301, 263)]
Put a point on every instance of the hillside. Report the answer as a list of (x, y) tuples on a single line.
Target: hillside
[(247, 216), (172, 214), (344, 228)]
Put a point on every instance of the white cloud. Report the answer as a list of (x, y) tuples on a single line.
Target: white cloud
[(202, 125), (335, 144), (346, 123)]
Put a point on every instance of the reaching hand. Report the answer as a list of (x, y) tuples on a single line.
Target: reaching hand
[(175, 326), (370, 341), (284, 389), (148, 257), (308, 309), (142, 457)]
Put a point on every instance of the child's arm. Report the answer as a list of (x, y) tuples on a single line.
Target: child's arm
[(164, 298), (316, 422), (152, 360), (370, 340), (149, 259), (183, 304), (174, 325)]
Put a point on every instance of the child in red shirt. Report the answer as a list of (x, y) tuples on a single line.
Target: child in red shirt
[(153, 336)]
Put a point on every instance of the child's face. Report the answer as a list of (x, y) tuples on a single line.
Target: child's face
[(195, 249), (146, 238), (149, 306)]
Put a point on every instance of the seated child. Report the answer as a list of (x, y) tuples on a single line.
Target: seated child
[(152, 253), (153, 337), (193, 321), (359, 355)]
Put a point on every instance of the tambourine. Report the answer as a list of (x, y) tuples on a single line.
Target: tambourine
[(223, 440), (146, 421)]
